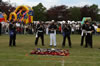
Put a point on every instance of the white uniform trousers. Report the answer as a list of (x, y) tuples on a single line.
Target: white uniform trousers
[(52, 39)]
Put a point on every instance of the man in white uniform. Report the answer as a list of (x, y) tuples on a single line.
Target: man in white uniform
[(52, 30)]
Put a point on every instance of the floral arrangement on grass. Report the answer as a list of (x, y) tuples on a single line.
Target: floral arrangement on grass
[(52, 51)]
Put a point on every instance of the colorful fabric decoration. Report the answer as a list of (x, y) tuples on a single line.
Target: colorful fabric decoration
[(52, 51)]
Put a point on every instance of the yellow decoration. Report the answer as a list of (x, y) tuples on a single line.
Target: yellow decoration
[(98, 29), (5, 16), (20, 11), (13, 14)]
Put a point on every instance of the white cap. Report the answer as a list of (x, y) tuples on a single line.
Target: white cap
[(52, 20), (63, 21)]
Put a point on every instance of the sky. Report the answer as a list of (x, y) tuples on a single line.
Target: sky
[(51, 3)]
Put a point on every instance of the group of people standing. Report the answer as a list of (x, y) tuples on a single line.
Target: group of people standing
[(87, 30), (52, 31)]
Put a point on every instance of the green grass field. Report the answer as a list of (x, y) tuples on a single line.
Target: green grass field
[(19, 55)]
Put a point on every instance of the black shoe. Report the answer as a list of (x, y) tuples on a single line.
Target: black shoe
[(91, 47), (85, 47), (50, 45), (14, 45), (43, 45), (81, 45), (35, 44), (54, 46), (10, 46)]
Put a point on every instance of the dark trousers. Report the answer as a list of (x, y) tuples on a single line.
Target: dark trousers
[(12, 41), (82, 39), (64, 40), (42, 39), (88, 40)]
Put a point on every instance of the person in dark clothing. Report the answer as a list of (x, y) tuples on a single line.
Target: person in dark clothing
[(83, 34), (12, 30), (0, 28), (66, 33), (89, 31), (39, 33)]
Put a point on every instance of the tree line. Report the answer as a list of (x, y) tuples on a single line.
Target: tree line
[(63, 12)]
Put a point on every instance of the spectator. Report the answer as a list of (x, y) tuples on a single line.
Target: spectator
[(98, 30)]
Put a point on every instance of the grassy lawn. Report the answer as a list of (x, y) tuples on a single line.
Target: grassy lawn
[(19, 55)]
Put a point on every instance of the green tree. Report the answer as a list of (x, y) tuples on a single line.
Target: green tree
[(75, 13), (94, 12), (39, 12), (58, 13), (7, 8), (90, 11)]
